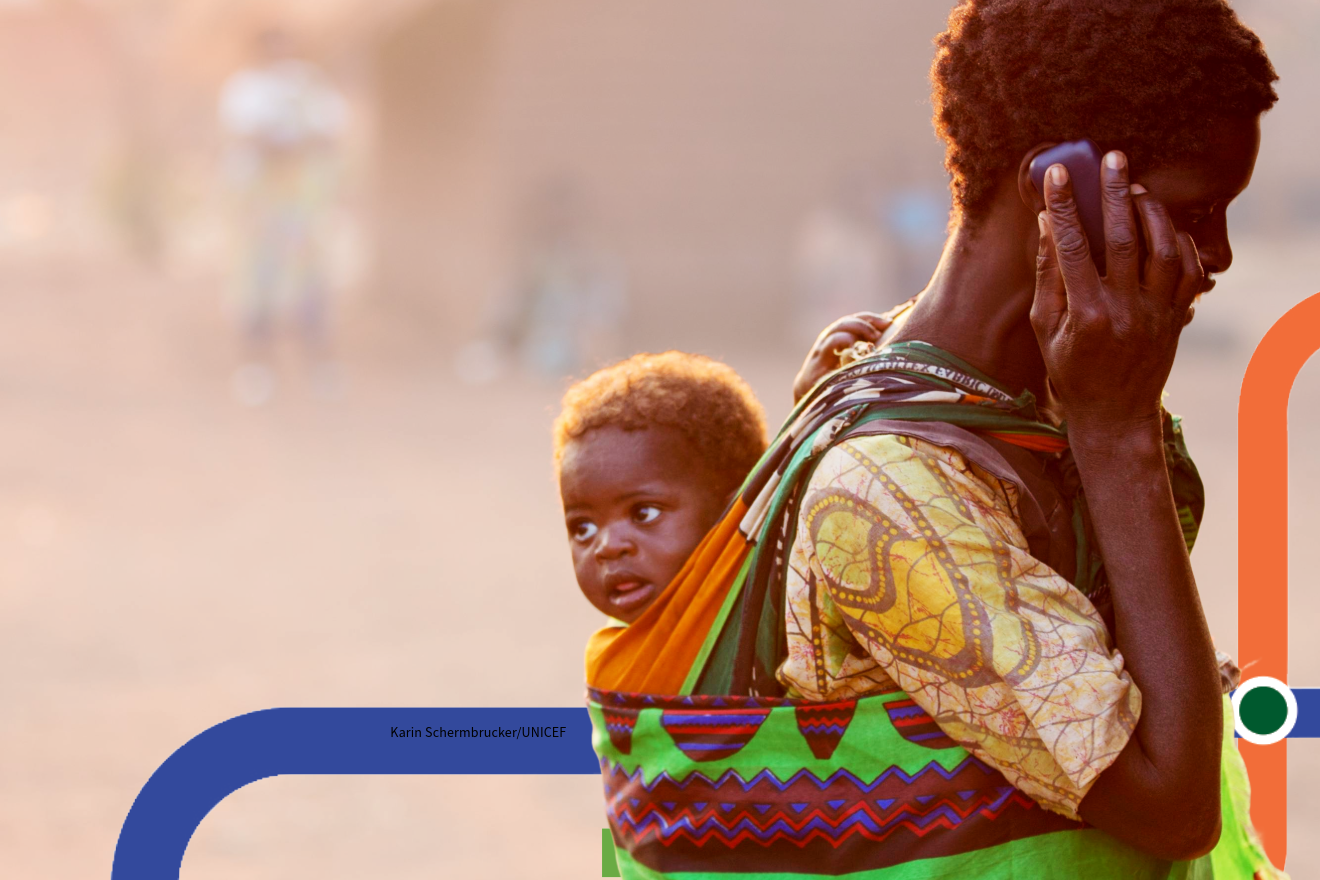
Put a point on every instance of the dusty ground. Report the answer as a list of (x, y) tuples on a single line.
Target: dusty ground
[(169, 559)]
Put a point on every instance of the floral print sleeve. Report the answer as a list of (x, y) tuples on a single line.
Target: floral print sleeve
[(909, 566)]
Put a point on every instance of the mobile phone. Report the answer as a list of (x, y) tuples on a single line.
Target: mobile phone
[(1082, 159)]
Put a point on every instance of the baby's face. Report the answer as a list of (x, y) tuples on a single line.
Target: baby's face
[(636, 503)]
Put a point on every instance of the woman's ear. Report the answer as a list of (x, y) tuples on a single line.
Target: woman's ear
[(1035, 201)]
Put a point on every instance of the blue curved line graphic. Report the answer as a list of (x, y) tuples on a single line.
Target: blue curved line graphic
[(275, 742)]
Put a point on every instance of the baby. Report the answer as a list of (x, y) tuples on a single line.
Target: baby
[(650, 452)]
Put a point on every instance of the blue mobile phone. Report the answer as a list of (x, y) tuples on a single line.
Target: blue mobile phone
[(1082, 159)]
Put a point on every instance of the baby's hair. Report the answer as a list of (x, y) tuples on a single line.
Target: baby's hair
[(1149, 77), (704, 399)]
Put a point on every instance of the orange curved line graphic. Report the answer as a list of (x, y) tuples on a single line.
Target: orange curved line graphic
[(1263, 544)]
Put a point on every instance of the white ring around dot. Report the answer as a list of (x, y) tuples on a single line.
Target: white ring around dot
[(1288, 697)]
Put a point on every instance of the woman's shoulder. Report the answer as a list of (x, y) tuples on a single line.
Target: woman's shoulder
[(922, 453)]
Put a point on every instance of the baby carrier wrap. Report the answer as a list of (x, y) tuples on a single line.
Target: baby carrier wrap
[(712, 773)]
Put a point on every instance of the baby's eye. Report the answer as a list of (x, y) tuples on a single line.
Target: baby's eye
[(646, 513), (582, 530)]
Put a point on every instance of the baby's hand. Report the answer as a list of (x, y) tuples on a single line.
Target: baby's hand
[(839, 336), (1229, 674)]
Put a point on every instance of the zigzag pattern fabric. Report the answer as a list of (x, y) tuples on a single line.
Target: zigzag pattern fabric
[(886, 804), (762, 791)]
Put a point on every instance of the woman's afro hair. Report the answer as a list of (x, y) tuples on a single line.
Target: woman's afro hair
[(1149, 77), (704, 399)]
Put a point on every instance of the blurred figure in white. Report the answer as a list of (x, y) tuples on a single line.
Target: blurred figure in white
[(284, 122), (564, 309), (843, 261)]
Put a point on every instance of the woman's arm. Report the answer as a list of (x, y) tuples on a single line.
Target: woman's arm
[(1162, 794), (1108, 345), (904, 552)]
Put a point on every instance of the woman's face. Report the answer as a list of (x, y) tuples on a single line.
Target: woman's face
[(1197, 192)]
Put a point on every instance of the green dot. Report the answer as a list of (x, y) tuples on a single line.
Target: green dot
[(1263, 710)]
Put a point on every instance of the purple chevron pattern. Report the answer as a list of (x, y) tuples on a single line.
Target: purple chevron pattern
[(916, 726), (705, 735), (814, 825), (823, 725), (841, 818), (619, 723), (617, 776)]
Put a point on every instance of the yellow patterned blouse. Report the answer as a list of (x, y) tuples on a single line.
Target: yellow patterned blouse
[(909, 565)]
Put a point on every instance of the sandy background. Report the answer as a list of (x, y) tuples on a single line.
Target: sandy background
[(170, 557)]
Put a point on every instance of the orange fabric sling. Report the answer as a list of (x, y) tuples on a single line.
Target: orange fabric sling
[(626, 658)]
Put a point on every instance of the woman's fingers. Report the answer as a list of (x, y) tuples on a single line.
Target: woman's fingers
[(1164, 263), (1120, 223), (1192, 281), (1071, 250), (1051, 302)]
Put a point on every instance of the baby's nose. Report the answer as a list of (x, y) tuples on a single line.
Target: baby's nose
[(612, 544)]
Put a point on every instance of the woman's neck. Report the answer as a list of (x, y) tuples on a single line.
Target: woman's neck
[(978, 303)]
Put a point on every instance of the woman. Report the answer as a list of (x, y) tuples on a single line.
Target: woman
[(1174, 91), (1027, 588)]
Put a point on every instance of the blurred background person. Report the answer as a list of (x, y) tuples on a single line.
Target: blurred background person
[(284, 121), (843, 260), (917, 218), (564, 309)]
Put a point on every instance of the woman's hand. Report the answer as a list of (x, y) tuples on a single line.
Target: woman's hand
[(1108, 343), (834, 339)]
